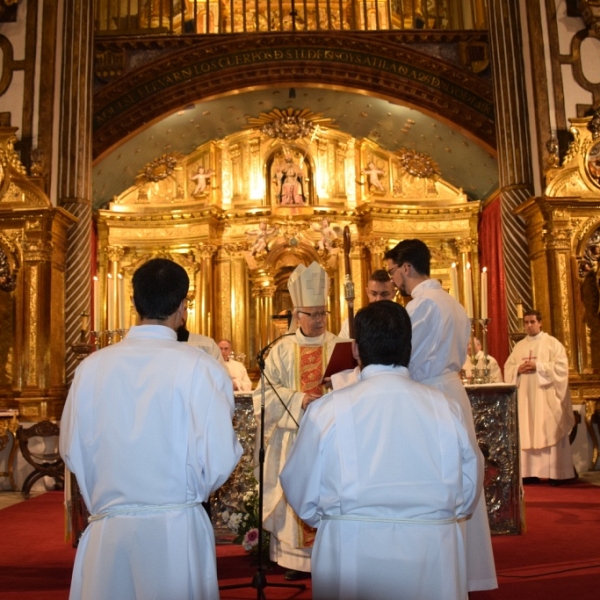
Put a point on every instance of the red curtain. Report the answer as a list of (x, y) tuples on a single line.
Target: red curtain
[(491, 256)]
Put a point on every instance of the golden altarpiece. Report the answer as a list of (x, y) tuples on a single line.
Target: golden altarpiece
[(33, 243), (242, 212), (563, 228)]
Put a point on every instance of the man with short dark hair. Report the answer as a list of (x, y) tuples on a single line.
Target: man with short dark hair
[(379, 287), (385, 468), (440, 334), (538, 365), (147, 432)]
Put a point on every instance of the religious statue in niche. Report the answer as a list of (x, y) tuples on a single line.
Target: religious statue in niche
[(289, 179), (373, 172), (201, 178), (263, 233)]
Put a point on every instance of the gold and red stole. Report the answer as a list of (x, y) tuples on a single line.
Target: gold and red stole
[(310, 364), (311, 369)]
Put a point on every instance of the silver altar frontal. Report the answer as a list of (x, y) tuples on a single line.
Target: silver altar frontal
[(496, 425), (497, 428)]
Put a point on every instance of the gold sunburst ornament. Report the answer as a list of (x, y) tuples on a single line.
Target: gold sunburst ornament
[(289, 123), (418, 164), (160, 168)]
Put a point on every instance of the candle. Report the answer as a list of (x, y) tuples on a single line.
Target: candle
[(519, 310), (84, 321), (110, 297), (484, 294), (121, 301), (454, 281), (96, 305), (468, 292)]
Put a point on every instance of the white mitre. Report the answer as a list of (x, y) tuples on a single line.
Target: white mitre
[(309, 286)]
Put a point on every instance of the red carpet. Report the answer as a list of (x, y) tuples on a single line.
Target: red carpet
[(557, 558), (559, 555)]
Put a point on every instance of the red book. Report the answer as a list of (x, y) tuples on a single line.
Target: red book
[(341, 359)]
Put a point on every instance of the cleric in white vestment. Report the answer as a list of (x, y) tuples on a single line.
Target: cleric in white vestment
[(495, 374), (441, 331), (294, 369), (147, 432), (385, 468), (538, 365)]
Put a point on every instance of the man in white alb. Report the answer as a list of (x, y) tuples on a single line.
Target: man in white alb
[(440, 334), (379, 287), (236, 369), (147, 432), (492, 365), (293, 369), (538, 365), (385, 468)]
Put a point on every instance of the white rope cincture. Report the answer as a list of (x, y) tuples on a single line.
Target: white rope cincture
[(382, 520), (140, 509)]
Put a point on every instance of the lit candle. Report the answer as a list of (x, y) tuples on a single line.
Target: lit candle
[(121, 301), (468, 291), (484, 294), (96, 305), (110, 302), (454, 281)]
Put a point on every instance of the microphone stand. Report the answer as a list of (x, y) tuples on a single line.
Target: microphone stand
[(259, 581)]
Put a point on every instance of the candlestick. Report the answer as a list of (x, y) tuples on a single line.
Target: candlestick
[(96, 305), (484, 294), (468, 291), (121, 301), (110, 304), (454, 281)]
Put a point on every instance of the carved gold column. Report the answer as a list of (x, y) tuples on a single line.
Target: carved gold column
[(549, 231), (263, 291), (514, 148), (231, 312), (205, 319), (74, 168), (467, 250)]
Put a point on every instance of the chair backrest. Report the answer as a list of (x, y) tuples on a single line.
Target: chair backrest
[(43, 429)]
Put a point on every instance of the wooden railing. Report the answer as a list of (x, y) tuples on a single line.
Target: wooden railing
[(180, 17)]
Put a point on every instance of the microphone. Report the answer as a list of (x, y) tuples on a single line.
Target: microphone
[(260, 357)]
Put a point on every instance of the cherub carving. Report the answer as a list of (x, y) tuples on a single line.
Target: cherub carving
[(374, 172), (262, 237), (329, 234), (201, 178)]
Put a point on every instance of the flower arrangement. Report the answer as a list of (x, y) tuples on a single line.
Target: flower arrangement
[(245, 524)]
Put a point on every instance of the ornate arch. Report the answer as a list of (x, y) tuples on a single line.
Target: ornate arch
[(385, 66)]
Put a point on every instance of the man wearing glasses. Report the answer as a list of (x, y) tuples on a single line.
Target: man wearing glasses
[(440, 335), (293, 372), (379, 287)]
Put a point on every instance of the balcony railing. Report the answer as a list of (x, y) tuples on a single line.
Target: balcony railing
[(180, 17)]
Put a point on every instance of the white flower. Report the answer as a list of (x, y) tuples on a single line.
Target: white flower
[(234, 522), (225, 516)]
